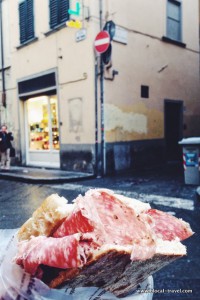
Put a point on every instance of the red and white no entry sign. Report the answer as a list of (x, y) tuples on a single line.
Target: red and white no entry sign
[(102, 41)]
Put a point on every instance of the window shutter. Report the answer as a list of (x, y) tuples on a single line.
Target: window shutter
[(22, 21), (174, 20), (53, 8), (30, 20), (26, 21), (64, 6)]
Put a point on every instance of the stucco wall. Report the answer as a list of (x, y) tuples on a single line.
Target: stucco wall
[(170, 71)]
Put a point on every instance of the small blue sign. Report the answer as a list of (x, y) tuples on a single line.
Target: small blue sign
[(191, 160)]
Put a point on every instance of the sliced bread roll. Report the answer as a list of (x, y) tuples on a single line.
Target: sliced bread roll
[(46, 218), (110, 268), (121, 242)]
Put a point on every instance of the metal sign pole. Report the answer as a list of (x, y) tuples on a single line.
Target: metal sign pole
[(2, 58), (103, 146), (97, 173)]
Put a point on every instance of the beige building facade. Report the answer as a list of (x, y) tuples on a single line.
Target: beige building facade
[(63, 116)]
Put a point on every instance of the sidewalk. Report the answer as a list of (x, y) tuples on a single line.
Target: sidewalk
[(42, 175)]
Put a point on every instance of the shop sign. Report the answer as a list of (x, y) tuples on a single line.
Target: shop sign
[(121, 35), (74, 24), (75, 12)]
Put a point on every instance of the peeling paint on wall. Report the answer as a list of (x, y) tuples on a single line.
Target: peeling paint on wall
[(126, 121), (132, 123), (75, 115)]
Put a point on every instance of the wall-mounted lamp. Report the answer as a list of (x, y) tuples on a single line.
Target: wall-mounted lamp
[(114, 73)]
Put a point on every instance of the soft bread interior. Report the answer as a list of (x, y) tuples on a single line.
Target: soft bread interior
[(162, 247), (170, 248), (46, 218)]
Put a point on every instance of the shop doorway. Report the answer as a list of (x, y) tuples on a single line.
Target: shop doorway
[(173, 129), (42, 132)]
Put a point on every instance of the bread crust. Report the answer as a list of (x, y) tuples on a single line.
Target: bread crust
[(113, 271), (46, 218)]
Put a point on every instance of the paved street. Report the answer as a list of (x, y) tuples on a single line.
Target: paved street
[(163, 188)]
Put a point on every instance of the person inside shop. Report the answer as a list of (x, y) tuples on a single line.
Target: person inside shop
[(5, 146)]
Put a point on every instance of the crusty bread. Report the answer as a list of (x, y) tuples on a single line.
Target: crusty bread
[(111, 268), (46, 218)]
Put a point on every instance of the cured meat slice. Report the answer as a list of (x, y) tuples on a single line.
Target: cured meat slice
[(75, 223), (83, 219), (113, 223), (168, 227), (61, 253)]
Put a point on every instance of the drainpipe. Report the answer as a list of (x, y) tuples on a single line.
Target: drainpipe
[(96, 120), (103, 145), (2, 59)]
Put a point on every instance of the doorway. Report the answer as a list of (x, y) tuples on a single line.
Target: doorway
[(42, 131), (173, 111)]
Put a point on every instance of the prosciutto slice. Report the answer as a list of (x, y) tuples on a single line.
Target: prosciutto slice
[(61, 253), (112, 221)]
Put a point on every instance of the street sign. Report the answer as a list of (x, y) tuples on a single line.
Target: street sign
[(81, 35), (121, 35), (110, 28), (102, 41)]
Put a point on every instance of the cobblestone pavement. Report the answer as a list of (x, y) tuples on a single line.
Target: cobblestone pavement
[(163, 188)]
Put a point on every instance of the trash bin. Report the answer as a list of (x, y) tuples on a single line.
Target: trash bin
[(191, 159)]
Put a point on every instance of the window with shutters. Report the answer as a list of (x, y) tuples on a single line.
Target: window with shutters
[(58, 12), (174, 20), (26, 21)]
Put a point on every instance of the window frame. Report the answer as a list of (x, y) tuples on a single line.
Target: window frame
[(178, 3), (28, 38), (60, 22)]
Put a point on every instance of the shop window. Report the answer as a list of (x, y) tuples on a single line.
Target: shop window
[(58, 12), (42, 117), (174, 20), (26, 21)]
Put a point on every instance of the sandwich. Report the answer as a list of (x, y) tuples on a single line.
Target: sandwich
[(102, 239)]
